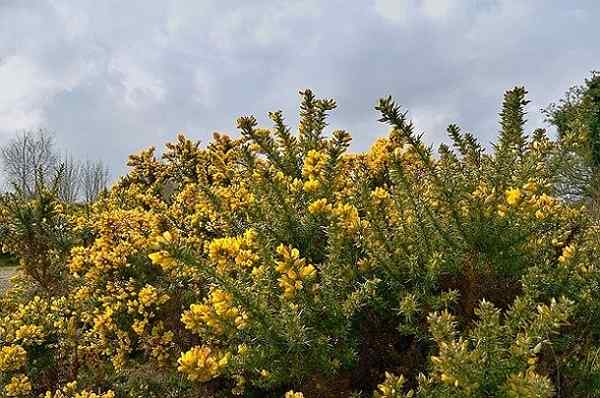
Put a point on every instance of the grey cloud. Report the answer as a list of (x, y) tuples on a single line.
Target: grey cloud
[(113, 77)]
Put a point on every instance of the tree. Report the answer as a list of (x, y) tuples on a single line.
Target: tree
[(26, 157), (577, 119), (94, 179), (69, 175)]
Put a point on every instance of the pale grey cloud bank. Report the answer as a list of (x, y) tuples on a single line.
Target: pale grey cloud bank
[(112, 77)]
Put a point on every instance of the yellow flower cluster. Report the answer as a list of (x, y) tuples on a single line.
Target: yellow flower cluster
[(216, 313), (163, 259), (202, 363), (292, 394), (18, 386), (70, 391), (526, 199), (294, 271), (513, 196), (347, 216), (12, 358), (238, 251), (567, 253), (319, 207), (314, 166), (378, 155), (380, 196)]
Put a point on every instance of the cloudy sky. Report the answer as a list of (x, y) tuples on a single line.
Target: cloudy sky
[(112, 77)]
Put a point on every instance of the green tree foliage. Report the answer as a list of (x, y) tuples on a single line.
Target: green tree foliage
[(577, 119)]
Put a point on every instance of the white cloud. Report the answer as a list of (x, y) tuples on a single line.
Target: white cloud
[(139, 86), (26, 88)]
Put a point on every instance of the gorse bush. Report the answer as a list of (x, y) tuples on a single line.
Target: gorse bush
[(279, 264)]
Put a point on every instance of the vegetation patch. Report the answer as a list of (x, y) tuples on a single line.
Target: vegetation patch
[(280, 264)]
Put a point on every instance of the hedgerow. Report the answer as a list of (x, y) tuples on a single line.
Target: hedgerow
[(279, 264)]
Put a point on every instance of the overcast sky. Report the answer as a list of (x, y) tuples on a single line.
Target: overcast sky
[(113, 77)]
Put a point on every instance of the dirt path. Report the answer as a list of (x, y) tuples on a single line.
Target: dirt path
[(5, 274)]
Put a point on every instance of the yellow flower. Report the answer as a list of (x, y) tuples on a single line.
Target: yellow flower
[(138, 326), (30, 334), (567, 253), (19, 385), (314, 164), (348, 217), (513, 196), (311, 185), (202, 364), (380, 196), (163, 259), (167, 236), (319, 206), (292, 394), (148, 295), (215, 313), (12, 358), (293, 270), (265, 374)]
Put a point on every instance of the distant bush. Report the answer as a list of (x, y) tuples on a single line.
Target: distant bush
[(280, 264)]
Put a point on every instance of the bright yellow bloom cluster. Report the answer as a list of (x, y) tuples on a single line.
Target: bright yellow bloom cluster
[(148, 295), (217, 311), (380, 196), (294, 271), (30, 334), (347, 216), (70, 391), (513, 196), (202, 363), (163, 259), (378, 155), (225, 252), (567, 253), (292, 394), (319, 207), (314, 166), (18, 386), (12, 358)]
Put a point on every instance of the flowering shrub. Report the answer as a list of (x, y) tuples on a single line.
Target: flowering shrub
[(281, 265)]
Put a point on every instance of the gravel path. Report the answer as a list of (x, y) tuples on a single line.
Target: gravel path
[(5, 274)]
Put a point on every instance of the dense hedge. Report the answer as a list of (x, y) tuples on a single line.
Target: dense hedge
[(280, 264)]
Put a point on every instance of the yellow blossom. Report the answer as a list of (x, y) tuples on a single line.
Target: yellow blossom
[(567, 252), (202, 363), (12, 358), (513, 196), (319, 206), (311, 185), (148, 295), (163, 259), (292, 394), (19, 385)]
